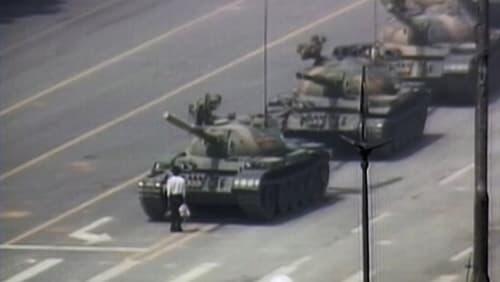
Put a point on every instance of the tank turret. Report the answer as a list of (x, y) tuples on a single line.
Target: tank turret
[(236, 161), (312, 49), (435, 23)]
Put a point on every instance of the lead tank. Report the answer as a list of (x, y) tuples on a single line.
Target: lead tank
[(239, 161), (325, 105)]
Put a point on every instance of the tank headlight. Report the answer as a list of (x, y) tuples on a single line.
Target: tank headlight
[(140, 183), (158, 184)]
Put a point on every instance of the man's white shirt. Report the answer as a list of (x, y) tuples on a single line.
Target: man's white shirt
[(176, 185)]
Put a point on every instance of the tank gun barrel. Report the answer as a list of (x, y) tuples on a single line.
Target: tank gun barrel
[(197, 131), (319, 79)]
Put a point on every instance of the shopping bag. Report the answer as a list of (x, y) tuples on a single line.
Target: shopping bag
[(184, 211)]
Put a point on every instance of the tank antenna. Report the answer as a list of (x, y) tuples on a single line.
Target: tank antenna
[(375, 21), (265, 64)]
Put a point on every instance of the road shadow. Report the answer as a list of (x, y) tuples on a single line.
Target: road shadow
[(357, 190), (347, 153), (10, 10), (232, 215)]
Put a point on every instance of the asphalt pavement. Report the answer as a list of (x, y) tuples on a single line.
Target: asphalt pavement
[(83, 86)]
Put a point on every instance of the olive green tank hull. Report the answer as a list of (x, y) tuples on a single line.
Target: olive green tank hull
[(261, 194)]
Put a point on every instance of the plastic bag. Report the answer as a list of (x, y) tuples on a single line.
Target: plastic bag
[(184, 211)]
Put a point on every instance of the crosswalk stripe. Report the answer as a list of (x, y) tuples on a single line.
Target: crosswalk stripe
[(196, 272), (285, 270), (34, 270), (114, 271)]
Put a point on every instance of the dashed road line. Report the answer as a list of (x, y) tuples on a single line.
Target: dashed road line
[(114, 249), (74, 210), (286, 270), (177, 91), (376, 219), (446, 278), (14, 214), (462, 255), (56, 27), (384, 242), (196, 272), (357, 277), (457, 174), (114, 271), (115, 59), (35, 270)]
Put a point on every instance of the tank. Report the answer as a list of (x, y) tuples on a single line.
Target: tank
[(325, 105), (429, 22), (436, 47), (238, 161)]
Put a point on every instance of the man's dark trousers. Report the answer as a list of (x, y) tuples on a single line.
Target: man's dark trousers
[(175, 217)]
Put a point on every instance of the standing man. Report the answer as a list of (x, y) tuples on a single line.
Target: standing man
[(176, 193)]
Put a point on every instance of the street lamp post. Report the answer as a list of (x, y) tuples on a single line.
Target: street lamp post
[(365, 149), (481, 201)]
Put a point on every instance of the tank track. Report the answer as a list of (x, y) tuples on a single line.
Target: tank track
[(404, 132), (154, 207), (288, 189)]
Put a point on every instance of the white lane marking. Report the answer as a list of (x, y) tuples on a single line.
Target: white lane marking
[(34, 37), (446, 278), (114, 249), (196, 272), (92, 238), (357, 277), (285, 270), (384, 243), (373, 220), (175, 92), (35, 270), (114, 59), (462, 255), (456, 174), (74, 210), (114, 271), (170, 243)]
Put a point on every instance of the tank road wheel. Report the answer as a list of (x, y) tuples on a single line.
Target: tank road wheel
[(302, 190), (311, 185), (294, 193), (283, 199), (267, 201), (322, 182), (154, 208), (420, 126)]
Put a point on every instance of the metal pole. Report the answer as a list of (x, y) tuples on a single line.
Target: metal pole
[(364, 192), (364, 218), (265, 63), (481, 201)]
